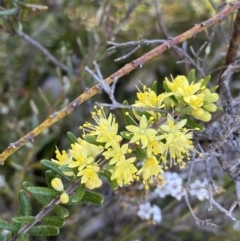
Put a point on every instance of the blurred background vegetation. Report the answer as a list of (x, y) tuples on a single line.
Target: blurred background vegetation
[(32, 87)]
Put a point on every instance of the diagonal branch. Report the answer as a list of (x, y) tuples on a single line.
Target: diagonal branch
[(114, 77)]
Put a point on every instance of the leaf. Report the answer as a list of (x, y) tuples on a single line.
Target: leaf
[(154, 87), (107, 174), (8, 226), (24, 219), (54, 167), (92, 197), (23, 237), (43, 191), (9, 12), (92, 140), (61, 211), (126, 135), (53, 221), (65, 168), (25, 208), (79, 193), (191, 76), (127, 114), (206, 80), (44, 200), (140, 153), (44, 230), (71, 137), (49, 176), (195, 125)]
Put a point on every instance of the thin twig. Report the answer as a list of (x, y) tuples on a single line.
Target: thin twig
[(42, 49)]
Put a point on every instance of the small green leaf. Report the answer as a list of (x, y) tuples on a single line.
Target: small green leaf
[(44, 200), (140, 153), (213, 89), (49, 176), (205, 81), (79, 193), (195, 125), (92, 197), (73, 139), (191, 76), (126, 135), (65, 168), (154, 87), (54, 167), (61, 211), (24, 219), (43, 191), (92, 140), (44, 230), (25, 208), (127, 114), (23, 237), (8, 226), (9, 12), (141, 112), (53, 221), (107, 174)]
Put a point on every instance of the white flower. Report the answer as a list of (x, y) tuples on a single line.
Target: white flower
[(146, 211), (157, 215), (172, 187), (162, 192), (199, 190)]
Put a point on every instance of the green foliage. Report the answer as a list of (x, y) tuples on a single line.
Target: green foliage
[(61, 211), (54, 168), (72, 138), (44, 230), (79, 193), (92, 197), (24, 219), (8, 226), (25, 208)]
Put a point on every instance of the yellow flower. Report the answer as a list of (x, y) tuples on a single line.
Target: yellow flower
[(141, 133), (154, 146), (83, 154), (90, 177), (63, 159), (124, 172), (116, 153), (149, 99), (178, 141), (150, 169), (194, 101), (105, 130)]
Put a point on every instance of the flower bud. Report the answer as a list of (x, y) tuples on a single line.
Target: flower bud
[(210, 107), (205, 117), (198, 112), (57, 184), (64, 198)]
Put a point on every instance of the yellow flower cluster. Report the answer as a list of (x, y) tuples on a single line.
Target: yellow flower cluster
[(154, 140), (195, 95)]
